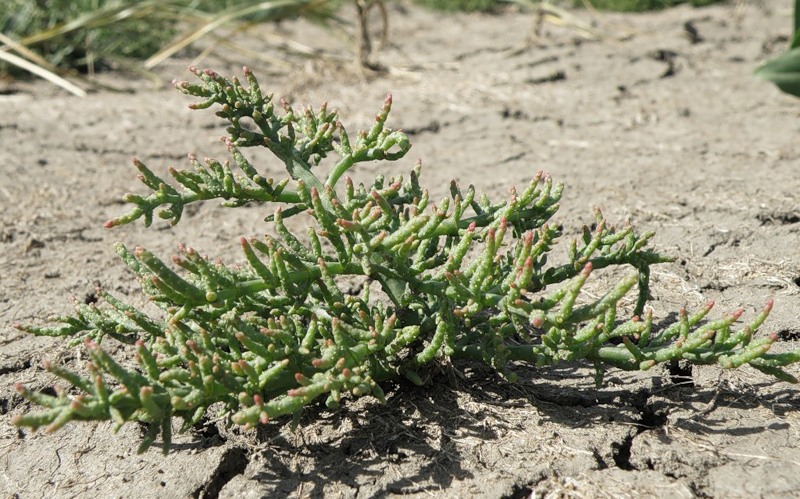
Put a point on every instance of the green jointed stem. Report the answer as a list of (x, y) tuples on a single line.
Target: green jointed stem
[(380, 284)]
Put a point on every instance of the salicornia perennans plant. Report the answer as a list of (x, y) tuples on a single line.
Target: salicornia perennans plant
[(465, 278)]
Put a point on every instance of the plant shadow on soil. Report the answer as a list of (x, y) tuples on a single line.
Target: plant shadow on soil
[(422, 437)]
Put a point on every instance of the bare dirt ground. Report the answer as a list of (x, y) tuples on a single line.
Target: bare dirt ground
[(676, 136)]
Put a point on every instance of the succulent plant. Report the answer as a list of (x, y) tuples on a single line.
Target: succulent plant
[(383, 283)]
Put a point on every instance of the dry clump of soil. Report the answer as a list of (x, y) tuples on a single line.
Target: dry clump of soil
[(647, 122)]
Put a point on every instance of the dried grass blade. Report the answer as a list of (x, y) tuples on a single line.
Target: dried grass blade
[(21, 49), (42, 73), (100, 18), (271, 10)]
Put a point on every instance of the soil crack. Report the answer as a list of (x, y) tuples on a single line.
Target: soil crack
[(650, 418), (232, 463), (520, 492), (17, 366)]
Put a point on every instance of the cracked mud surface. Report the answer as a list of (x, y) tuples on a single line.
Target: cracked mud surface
[(676, 136)]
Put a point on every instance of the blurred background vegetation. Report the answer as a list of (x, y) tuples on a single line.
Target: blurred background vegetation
[(643, 5), (611, 5), (91, 35), (83, 36), (86, 36)]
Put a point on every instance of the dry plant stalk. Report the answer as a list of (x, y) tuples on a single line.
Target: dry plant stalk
[(465, 278)]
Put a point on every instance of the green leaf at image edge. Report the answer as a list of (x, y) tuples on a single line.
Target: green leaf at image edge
[(796, 22), (783, 71)]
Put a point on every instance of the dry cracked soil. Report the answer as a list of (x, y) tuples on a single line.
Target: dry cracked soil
[(642, 119)]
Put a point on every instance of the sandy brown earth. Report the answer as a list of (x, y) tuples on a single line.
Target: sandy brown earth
[(676, 136)]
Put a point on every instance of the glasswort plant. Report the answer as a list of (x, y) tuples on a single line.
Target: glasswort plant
[(464, 278)]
